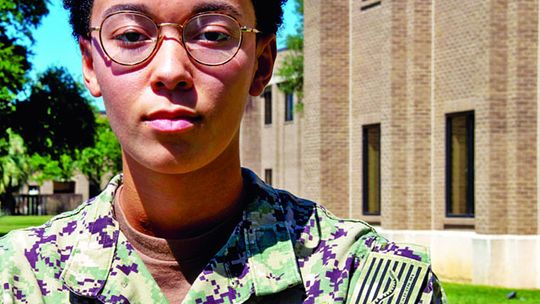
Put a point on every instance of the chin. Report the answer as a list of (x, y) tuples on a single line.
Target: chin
[(161, 161), (180, 157), (175, 165)]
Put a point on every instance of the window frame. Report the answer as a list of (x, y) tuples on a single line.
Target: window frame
[(267, 96), (365, 170), (470, 139), (289, 107), (268, 176)]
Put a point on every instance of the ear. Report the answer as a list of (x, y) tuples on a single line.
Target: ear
[(266, 55), (89, 73)]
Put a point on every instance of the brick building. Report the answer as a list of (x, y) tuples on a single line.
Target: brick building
[(271, 136), (420, 117)]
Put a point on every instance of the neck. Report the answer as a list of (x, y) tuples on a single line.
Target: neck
[(181, 205)]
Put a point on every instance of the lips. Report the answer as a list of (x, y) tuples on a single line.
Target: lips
[(172, 121)]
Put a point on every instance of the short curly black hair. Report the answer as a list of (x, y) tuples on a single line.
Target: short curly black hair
[(268, 13)]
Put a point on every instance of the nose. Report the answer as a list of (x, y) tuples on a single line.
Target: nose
[(171, 65)]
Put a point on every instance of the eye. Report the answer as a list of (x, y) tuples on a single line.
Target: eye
[(212, 36), (131, 37)]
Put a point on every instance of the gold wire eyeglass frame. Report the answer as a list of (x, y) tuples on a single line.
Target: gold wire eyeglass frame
[(243, 29)]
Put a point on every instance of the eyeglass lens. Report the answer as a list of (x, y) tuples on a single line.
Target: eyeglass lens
[(130, 38)]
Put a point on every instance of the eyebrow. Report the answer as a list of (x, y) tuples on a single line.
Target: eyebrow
[(127, 7), (216, 7), (199, 8)]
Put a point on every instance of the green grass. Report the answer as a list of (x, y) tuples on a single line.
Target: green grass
[(471, 294), (8, 223)]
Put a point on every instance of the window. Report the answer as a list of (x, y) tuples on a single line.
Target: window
[(460, 165), (33, 190), (268, 176), (289, 107), (267, 95), (63, 187), (371, 169)]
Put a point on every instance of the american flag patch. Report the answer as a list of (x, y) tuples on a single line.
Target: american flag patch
[(389, 279)]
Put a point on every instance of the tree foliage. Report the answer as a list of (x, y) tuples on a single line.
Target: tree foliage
[(17, 19), (103, 158), (56, 119), (44, 167), (14, 168), (292, 68), (17, 167), (14, 162)]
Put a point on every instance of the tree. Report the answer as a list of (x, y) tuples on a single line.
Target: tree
[(103, 158), (44, 168), (17, 19), (292, 68), (56, 119), (14, 168)]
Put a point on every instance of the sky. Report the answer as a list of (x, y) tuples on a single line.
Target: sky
[(55, 46)]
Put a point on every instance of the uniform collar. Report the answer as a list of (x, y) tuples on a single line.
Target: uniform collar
[(269, 240), (259, 257), (88, 266)]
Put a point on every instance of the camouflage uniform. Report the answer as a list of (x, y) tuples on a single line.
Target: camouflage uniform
[(284, 250)]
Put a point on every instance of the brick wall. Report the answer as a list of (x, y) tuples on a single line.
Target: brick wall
[(391, 76), (418, 115), (461, 78), (250, 135), (311, 133), (521, 117), (275, 146), (325, 146), (409, 64), (370, 75)]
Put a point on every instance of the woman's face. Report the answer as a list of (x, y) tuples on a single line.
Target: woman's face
[(170, 113)]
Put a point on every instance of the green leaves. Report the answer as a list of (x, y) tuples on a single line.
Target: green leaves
[(17, 166), (17, 19), (102, 158), (56, 119), (14, 162), (45, 168), (292, 67), (292, 70)]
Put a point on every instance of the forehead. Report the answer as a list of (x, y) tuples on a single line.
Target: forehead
[(175, 10)]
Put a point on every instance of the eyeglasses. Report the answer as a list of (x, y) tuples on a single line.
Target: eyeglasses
[(130, 38)]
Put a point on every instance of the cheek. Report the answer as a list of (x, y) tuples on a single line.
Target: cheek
[(222, 99), (119, 120), (120, 96), (119, 90), (228, 85)]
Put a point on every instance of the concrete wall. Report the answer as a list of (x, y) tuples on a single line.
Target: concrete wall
[(465, 256)]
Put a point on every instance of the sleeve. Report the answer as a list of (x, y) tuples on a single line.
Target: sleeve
[(389, 273), (17, 283), (432, 291)]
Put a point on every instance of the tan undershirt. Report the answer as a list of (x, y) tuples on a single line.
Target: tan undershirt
[(176, 263)]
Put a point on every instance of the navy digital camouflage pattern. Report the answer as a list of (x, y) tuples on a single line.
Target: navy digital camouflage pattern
[(284, 250)]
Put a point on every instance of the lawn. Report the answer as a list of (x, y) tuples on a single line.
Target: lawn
[(8, 223), (471, 294)]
